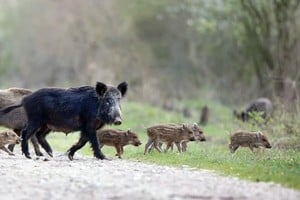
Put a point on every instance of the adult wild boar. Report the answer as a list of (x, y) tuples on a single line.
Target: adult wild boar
[(17, 118), (260, 105), (83, 109), (248, 139), (117, 139)]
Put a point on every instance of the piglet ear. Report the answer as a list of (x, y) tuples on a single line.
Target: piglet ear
[(122, 87), (259, 133), (101, 88)]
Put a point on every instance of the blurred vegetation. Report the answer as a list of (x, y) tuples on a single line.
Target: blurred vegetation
[(170, 50)]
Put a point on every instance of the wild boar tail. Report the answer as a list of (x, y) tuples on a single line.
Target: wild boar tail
[(10, 108)]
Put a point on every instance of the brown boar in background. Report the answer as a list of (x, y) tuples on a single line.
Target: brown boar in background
[(248, 139), (169, 134), (8, 137), (16, 119), (118, 139)]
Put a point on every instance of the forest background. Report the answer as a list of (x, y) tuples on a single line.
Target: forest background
[(231, 51)]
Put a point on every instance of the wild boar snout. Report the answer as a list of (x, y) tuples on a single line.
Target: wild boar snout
[(137, 144), (268, 146), (118, 121)]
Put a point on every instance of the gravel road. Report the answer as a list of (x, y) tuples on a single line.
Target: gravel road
[(88, 178)]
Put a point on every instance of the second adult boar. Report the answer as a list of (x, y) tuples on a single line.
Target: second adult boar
[(262, 105), (16, 119), (118, 139)]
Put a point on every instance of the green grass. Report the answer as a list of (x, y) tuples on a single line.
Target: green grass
[(270, 165)]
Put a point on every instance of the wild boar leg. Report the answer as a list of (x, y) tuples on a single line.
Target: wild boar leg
[(184, 146), (233, 148), (156, 145), (122, 150), (41, 137), (151, 147), (251, 147), (36, 146), (7, 151), (118, 148), (178, 147), (81, 142), (148, 146), (168, 146)]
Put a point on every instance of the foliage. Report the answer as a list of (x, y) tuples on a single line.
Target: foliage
[(232, 50)]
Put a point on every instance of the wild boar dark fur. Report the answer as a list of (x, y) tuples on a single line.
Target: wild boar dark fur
[(262, 105), (83, 109)]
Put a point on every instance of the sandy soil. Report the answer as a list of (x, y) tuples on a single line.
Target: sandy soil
[(88, 178)]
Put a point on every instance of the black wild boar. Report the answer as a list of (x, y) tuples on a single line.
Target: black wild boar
[(248, 139), (83, 109), (261, 105), (8, 137), (17, 118), (118, 139)]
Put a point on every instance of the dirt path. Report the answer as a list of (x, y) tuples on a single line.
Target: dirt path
[(88, 178)]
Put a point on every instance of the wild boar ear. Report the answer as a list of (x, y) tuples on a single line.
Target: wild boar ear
[(122, 87), (6, 133), (195, 125), (101, 88), (259, 133), (127, 132)]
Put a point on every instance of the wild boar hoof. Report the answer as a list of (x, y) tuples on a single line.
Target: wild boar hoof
[(50, 154), (28, 156), (39, 154), (70, 156)]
